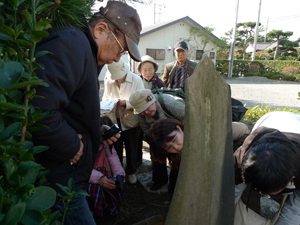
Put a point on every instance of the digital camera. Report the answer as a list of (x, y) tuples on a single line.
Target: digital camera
[(119, 182)]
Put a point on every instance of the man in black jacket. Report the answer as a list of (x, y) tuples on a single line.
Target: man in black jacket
[(73, 131)]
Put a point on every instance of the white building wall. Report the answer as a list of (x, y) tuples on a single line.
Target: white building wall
[(164, 39)]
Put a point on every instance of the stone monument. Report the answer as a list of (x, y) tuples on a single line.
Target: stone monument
[(204, 193)]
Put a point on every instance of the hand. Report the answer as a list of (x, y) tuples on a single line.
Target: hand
[(76, 158), (122, 102), (111, 140), (106, 183)]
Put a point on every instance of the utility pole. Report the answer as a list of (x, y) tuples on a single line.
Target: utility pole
[(265, 39), (256, 33), (233, 41), (157, 11)]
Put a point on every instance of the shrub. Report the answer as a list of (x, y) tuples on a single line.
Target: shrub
[(290, 71), (256, 112), (289, 78), (297, 77), (249, 74)]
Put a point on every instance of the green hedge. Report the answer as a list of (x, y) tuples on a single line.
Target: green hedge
[(241, 67)]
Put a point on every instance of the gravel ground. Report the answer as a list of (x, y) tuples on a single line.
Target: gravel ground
[(257, 90)]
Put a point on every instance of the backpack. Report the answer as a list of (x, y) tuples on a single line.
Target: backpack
[(178, 92)]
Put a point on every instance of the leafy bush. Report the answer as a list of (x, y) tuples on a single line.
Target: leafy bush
[(289, 78), (274, 76), (290, 71), (249, 74), (297, 76), (256, 112), (24, 196)]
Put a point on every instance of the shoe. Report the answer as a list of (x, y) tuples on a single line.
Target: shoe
[(156, 186), (132, 178)]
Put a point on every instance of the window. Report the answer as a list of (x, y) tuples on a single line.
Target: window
[(156, 53), (212, 55), (199, 54)]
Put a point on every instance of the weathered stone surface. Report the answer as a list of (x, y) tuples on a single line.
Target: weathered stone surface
[(204, 193)]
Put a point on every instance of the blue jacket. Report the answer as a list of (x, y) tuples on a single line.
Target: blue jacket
[(73, 98)]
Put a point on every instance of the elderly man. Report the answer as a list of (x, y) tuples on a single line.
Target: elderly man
[(267, 165), (176, 72), (73, 131)]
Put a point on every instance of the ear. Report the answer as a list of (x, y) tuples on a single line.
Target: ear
[(99, 29)]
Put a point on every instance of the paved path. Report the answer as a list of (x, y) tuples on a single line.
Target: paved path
[(257, 90)]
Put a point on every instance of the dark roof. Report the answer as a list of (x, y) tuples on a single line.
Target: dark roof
[(156, 27)]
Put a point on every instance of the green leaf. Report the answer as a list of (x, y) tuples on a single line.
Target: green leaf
[(26, 145), (1, 125), (63, 188), (26, 75), (24, 84), (27, 157), (2, 98), (9, 169), (53, 217), (24, 43), (71, 184), (10, 30), (14, 214), (2, 91), (11, 130), (33, 217), (41, 53), (26, 166), (27, 16), (43, 198), (37, 35), (13, 3), (38, 149), (15, 115), (12, 106), (41, 7), (1, 201), (40, 25), (29, 178), (5, 37), (10, 74), (15, 95)]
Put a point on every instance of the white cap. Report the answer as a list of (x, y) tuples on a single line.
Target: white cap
[(118, 69)]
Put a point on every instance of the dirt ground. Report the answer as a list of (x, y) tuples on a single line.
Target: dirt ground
[(141, 206)]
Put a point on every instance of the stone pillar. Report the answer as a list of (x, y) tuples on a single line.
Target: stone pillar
[(204, 193)]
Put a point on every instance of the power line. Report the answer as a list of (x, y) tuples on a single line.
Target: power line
[(275, 19)]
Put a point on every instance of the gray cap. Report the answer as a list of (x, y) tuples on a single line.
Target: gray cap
[(126, 19)]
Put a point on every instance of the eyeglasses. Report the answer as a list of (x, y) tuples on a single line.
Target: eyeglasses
[(123, 51), (172, 145)]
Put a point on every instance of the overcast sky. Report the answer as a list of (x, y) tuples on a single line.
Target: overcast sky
[(220, 14)]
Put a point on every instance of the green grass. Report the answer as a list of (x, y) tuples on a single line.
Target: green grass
[(256, 112)]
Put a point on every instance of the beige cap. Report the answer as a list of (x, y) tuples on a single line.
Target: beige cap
[(118, 70), (147, 58), (141, 99)]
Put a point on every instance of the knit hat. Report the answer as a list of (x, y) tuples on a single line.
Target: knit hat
[(147, 58), (126, 19), (141, 99), (118, 70)]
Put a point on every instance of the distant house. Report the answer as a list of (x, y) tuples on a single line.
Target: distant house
[(260, 47), (158, 40)]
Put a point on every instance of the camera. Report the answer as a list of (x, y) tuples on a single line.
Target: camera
[(119, 182), (114, 129)]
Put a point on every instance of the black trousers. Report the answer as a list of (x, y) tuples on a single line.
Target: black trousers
[(130, 139), (160, 174)]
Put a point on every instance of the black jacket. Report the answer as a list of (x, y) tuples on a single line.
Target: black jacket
[(259, 134), (73, 98)]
